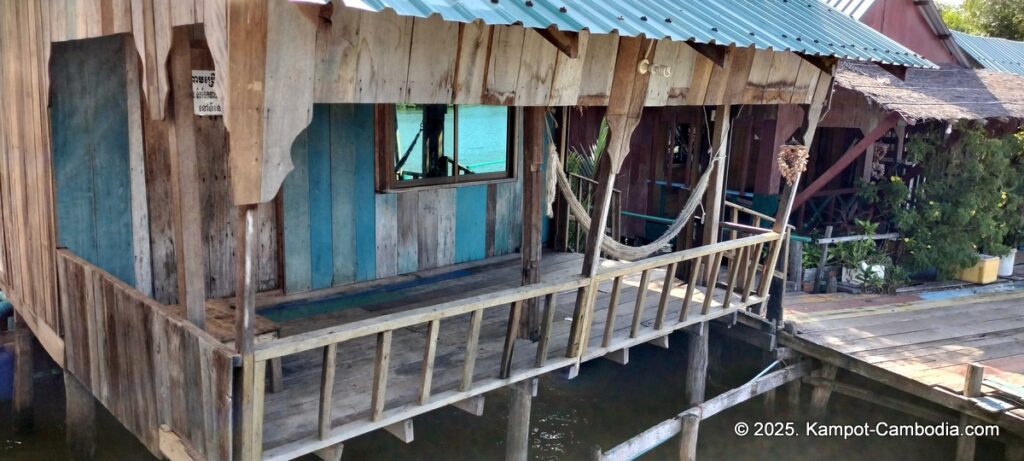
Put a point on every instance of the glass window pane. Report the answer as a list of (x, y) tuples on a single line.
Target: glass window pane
[(483, 139), (425, 141)]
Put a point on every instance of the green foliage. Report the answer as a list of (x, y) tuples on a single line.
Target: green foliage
[(851, 254), (584, 162), (994, 18), (970, 201)]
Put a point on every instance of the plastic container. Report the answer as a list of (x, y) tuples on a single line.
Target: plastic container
[(985, 271), (1006, 263)]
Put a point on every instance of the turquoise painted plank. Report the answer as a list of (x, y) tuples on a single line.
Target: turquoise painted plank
[(361, 126), (295, 190), (321, 246), (504, 218), (343, 177), (470, 223), (91, 153)]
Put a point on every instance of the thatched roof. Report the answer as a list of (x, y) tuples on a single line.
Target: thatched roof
[(947, 94)]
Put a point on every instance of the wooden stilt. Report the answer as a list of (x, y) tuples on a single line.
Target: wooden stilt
[(696, 367), (688, 437), (80, 419), (533, 159), (821, 394), (23, 370), (249, 378), (793, 391), (965, 444), (517, 442)]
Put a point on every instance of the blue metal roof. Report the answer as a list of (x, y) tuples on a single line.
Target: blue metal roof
[(852, 8), (803, 26), (993, 53)]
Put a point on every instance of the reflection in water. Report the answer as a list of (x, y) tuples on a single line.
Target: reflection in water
[(606, 405)]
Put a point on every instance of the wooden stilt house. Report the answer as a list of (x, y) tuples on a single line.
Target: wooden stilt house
[(259, 228)]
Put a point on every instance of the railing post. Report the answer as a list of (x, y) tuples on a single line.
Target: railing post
[(248, 385)]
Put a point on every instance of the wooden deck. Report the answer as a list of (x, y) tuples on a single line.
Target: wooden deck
[(291, 416), (923, 346)]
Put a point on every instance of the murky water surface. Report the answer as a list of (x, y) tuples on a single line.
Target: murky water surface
[(606, 405)]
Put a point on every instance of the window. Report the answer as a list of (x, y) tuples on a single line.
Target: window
[(422, 145)]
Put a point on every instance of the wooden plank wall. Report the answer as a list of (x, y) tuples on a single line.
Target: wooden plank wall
[(218, 213), (144, 365), (508, 65), (89, 125), (26, 172), (338, 230)]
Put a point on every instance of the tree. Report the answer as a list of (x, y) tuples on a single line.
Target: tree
[(993, 18)]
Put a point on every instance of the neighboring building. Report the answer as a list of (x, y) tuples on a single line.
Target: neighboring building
[(993, 53)]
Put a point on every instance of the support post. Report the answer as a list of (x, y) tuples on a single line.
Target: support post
[(517, 442), (965, 444), (533, 147), (696, 366), (188, 228), (821, 394), (625, 105), (80, 418), (715, 196), (23, 371), (688, 437), (247, 443)]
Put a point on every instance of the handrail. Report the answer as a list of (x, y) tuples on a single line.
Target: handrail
[(743, 259)]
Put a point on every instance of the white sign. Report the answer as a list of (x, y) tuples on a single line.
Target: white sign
[(204, 98)]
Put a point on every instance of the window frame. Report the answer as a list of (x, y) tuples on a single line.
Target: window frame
[(384, 154)]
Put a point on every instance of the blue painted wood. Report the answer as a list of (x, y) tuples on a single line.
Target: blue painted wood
[(89, 126), (321, 244), (470, 223), (343, 177), (295, 190), (361, 125)]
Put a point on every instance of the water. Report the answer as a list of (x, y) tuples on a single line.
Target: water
[(606, 405), (483, 137)]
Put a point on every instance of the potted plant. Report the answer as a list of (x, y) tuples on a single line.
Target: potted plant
[(861, 260)]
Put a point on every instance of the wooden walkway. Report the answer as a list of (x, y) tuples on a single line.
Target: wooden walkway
[(922, 346), (291, 415)]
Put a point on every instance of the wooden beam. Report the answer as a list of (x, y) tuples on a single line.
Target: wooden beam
[(847, 158), (825, 63), (402, 430), (820, 395), (714, 198), (174, 448), (532, 221), (620, 356), (715, 53), (245, 279), (473, 405), (331, 453), (137, 170), (696, 367), (899, 72), (688, 436), (566, 42), (188, 227), (965, 444), (876, 398), (662, 432)]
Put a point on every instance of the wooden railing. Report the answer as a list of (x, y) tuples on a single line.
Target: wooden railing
[(741, 221), (584, 188), (158, 374), (742, 257)]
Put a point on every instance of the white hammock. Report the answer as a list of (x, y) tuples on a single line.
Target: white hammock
[(556, 174)]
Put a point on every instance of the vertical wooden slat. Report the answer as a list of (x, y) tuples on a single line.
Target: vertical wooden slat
[(613, 303), (428, 360), (709, 293), (472, 344), (694, 272), (638, 310), (259, 380), (666, 290), (380, 374), (734, 265), (545, 328), (327, 389), (511, 332), (754, 256)]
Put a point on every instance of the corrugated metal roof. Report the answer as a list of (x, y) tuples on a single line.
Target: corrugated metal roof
[(852, 8), (993, 53), (803, 26)]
